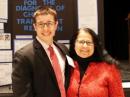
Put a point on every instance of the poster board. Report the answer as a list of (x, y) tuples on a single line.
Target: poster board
[(22, 11)]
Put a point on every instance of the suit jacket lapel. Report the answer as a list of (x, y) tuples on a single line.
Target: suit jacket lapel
[(42, 54), (62, 48)]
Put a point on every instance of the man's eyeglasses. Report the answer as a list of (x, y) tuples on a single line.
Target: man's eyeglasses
[(48, 24), (82, 42)]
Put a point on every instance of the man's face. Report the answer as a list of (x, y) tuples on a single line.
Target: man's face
[(45, 27)]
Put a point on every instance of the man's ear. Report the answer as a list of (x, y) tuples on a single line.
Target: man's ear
[(57, 23), (34, 25)]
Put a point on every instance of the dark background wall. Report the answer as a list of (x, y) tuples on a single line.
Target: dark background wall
[(116, 28)]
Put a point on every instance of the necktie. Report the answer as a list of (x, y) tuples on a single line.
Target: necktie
[(57, 71)]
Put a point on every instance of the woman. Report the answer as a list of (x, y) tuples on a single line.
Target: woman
[(92, 76)]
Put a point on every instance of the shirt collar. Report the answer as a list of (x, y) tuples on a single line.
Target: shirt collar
[(45, 46)]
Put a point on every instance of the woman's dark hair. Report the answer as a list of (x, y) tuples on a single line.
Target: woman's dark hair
[(97, 56)]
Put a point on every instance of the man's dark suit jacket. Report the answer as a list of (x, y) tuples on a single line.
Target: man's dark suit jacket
[(33, 75)]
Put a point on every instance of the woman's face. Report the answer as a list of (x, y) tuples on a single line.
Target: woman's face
[(84, 45)]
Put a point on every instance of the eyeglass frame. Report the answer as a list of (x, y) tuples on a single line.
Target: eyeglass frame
[(82, 42), (49, 24)]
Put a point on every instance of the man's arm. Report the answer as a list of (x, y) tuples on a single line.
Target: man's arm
[(21, 76)]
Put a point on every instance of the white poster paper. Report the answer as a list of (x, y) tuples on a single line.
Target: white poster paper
[(5, 56), (5, 41), (5, 73)]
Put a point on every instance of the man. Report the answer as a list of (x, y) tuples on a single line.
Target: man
[(33, 72)]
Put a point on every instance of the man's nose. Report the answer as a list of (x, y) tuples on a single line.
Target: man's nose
[(45, 27)]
